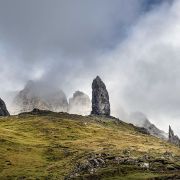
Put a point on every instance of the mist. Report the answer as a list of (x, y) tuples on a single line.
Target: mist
[(132, 45)]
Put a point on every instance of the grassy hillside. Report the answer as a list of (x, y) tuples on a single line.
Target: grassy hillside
[(58, 145)]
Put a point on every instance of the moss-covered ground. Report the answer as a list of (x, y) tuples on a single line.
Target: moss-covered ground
[(48, 146)]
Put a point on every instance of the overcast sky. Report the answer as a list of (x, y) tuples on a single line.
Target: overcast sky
[(134, 45)]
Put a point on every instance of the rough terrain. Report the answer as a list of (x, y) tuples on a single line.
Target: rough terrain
[(46, 145)]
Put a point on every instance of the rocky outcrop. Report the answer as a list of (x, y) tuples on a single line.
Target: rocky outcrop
[(95, 165), (3, 109), (100, 98), (40, 96), (79, 104), (173, 138), (140, 120)]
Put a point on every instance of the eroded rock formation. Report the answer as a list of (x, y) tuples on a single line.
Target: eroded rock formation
[(40, 96), (173, 138), (3, 109), (79, 104), (100, 98)]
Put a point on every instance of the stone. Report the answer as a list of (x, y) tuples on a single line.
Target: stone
[(139, 119), (79, 104), (3, 109), (100, 98), (144, 165), (173, 138), (168, 155), (40, 96)]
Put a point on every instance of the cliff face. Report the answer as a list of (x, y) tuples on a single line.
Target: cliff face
[(3, 109), (41, 97), (79, 104)]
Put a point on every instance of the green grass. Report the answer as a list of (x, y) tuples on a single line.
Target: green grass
[(142, 176), (135, 176), (49, 146)]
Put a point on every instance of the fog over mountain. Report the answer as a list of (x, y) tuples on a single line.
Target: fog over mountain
[(140, 120), (80, 104), (40, 96), (133, 45)]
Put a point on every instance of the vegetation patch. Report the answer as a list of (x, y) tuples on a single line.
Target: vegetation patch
[(54, 145)]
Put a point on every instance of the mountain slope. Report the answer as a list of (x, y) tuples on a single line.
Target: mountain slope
[(57, 145), (140, 120)]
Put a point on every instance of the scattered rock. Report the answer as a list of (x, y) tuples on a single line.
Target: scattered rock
[(144, 165), (36, 110), (8, 163), (144, 158), (3, 109), (126, 152), (168, 155), (94, 162), (100, 98), (142, 130), (170, 167)]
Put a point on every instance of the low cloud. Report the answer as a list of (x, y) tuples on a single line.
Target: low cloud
[(133, 45), (146, 67)]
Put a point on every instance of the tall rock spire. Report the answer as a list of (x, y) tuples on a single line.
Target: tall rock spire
[(3, 109), (172, 138), (100, 98), (171, 133)]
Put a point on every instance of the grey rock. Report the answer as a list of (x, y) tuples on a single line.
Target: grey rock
[(142, 130), (100, 98), (101, 161), (80, 104), (118, 160), (39, 95), (130, 161), (3, 109), (94, 162), (145, 165), (140, 120), (173, 138), (168, 155)]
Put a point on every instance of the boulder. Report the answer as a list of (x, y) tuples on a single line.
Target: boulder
[(3, 109), (100, 98)]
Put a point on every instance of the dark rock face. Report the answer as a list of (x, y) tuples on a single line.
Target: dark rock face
[(100, 98), (3, 109), (173, 138), (80, 104)]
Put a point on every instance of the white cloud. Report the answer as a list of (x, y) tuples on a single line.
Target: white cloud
[(146, 68), (136, 53)]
